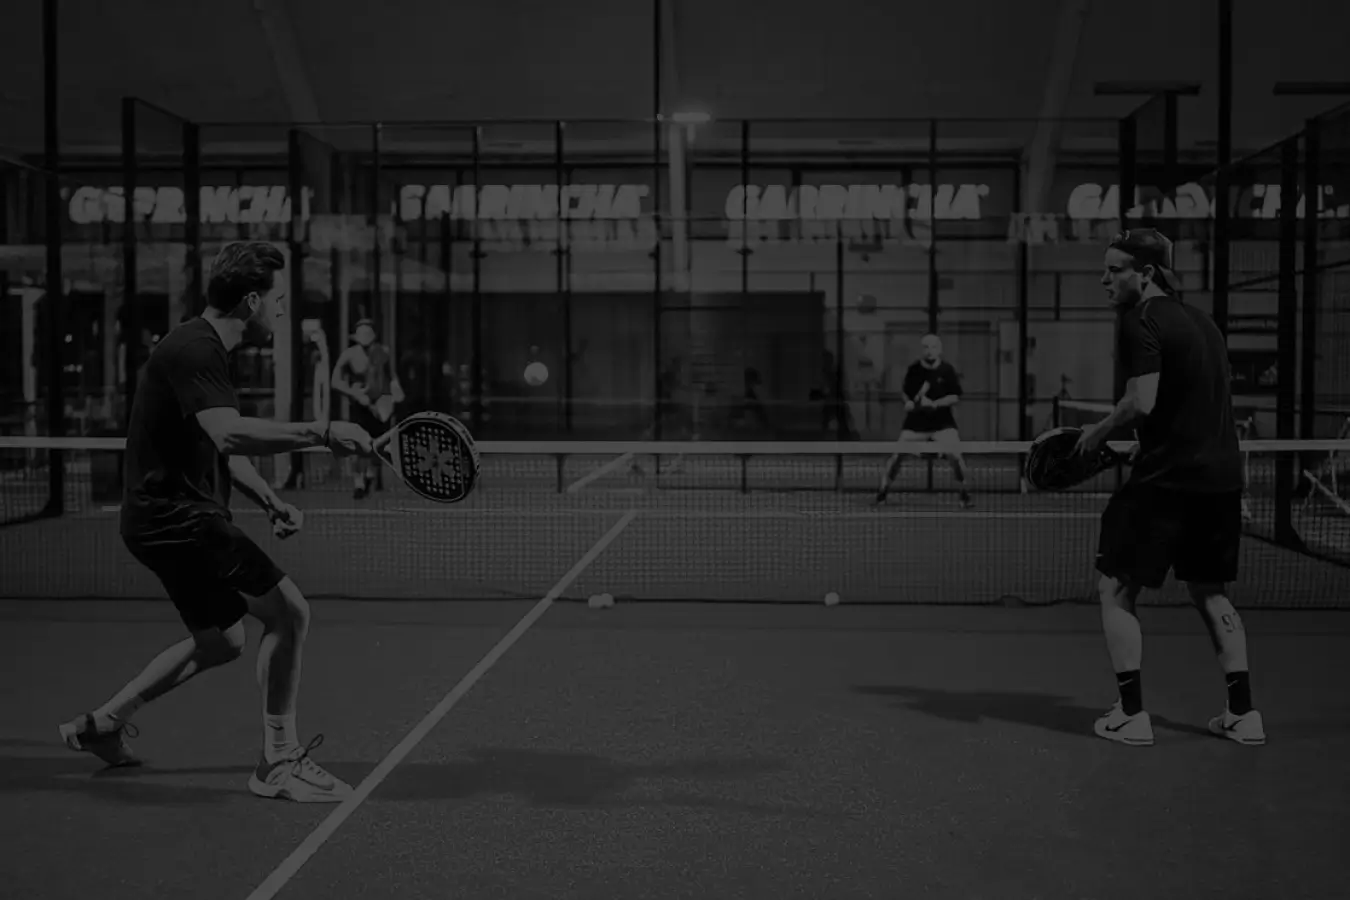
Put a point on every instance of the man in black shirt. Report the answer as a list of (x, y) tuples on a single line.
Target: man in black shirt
[(186, 445), (1181, 509), (931, 388)]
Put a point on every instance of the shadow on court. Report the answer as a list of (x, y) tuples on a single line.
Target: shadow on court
[(1043, 711), (540, 778)]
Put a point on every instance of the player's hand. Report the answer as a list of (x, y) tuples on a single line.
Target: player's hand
[(286, 520), (927, 404), (348, 439), (909, 405), (1091, 440)]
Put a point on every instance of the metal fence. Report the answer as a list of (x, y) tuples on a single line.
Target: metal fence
[(676, 279)]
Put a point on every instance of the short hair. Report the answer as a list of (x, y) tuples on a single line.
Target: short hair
[(239, 269)]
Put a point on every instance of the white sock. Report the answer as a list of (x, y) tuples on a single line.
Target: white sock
[(279, 738)]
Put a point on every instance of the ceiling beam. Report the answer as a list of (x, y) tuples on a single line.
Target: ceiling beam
[(1041, 152), (295, 84)]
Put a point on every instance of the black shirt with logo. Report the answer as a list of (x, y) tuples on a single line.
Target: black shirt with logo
[(1189, 442), (173, 472), (942, 381)]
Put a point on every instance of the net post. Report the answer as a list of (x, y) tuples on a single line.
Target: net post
[(1312, 202), (192, 208), (1287, 346), (131, 318), (55, 294)]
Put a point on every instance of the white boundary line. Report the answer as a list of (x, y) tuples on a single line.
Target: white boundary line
[(598, 473), (316, 839)]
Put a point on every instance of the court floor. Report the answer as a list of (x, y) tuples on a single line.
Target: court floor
[(537, 749)]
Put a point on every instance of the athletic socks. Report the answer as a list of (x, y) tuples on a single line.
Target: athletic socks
[(1131, 692), (279, 738), (1239, 693)]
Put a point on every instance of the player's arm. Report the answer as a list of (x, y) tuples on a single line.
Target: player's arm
[(1143, 345), (254, 485), (200, 375)]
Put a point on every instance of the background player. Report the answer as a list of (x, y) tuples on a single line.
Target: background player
[(931, 388), (365, 373), (186, 443), (1181, 509)]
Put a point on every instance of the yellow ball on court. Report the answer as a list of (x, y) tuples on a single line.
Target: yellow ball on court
[(536, 373)]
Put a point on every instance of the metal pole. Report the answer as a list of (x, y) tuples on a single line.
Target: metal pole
[(745, 205), (476, 378), (1023, 302), (657, 404), (1287, 358), (561, 252), (55, 294), (932, 226), (131, 320), (192, 209), (296, 347), (841, 422), (1312, 201), (376, 276), (1221, 190)]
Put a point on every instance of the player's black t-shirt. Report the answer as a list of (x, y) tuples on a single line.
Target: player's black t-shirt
[(1189, 442), (173, 472), (942, 381)]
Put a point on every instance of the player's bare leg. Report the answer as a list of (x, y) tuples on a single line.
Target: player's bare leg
[(1126, 722), (1240, 721), (286, 769), (951, 444), (894, 465), (103, 731)]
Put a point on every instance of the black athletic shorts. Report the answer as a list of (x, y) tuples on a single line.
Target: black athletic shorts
[(1147, 531), (206, 568)]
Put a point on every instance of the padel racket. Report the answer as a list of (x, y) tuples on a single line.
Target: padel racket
[(1055, 465), (434, 455)]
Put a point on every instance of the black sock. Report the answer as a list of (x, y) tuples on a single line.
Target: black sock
[(1239, 693), (1131, 692)]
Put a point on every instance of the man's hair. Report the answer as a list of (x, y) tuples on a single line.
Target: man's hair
[(240, 269)]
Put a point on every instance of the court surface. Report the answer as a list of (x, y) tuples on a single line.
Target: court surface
[(667, 751)]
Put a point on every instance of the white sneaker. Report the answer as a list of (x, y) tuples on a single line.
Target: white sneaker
[(1135, 730), (1244, 729), (298, 778)]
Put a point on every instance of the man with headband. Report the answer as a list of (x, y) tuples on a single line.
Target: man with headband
[(1181, 509)]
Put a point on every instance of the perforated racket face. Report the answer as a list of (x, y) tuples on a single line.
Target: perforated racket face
[(1052, 464), (437, 459)]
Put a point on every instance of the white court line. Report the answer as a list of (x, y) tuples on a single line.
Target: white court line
[(310, 845), (598, 473)]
